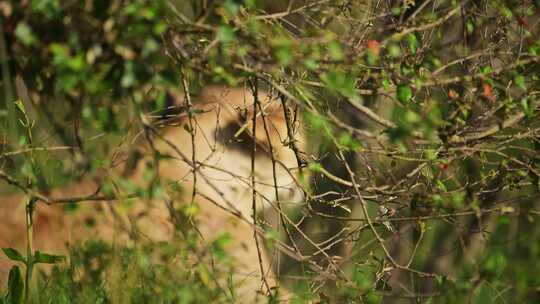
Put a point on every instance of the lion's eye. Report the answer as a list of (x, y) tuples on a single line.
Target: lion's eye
[(243, 142)]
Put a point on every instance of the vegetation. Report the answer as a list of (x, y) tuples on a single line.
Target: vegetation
[(422, 171)]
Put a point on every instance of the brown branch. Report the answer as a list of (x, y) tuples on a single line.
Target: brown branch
[(12, 181), (255, 91), (371, 115), (369, 221), (36, 149), (428, 26), (291, 140), (509, 122)]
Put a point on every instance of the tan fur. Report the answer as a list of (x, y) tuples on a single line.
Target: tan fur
[(223, 187)]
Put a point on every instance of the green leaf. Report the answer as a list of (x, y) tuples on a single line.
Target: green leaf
[(341, 82), (60, 52), (470, 26), (394, 51), (24, 33), (441, 186), (49, 8), (231, 7), (363, 278), (413, 42), (458, 199), (310, 64), (284, 55), (315, 167), (250, 3), (520, 82), (348, 142), (282, 48), (14, 255), (45, 258), (225, 34), (412, 118), (318, 124), (486, 70), (220, 244), (495, 263), (19, 104), (404, 94), (150, 46), (128, 78), (271, 236), (529, 112), (15, 293), (336, 53), (373, 297), (191, 210)]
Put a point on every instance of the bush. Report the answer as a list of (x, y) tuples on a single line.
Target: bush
[(422, 118)]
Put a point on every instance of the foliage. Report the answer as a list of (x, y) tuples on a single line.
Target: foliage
[(101, 273), (422, 118)]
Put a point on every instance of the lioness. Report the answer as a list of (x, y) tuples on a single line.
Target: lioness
[(219, 169)]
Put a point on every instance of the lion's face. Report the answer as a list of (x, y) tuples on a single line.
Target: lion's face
[(224, 149)]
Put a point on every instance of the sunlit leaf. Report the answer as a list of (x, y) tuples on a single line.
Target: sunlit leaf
[(225, 34), (15, 293), (24, 33), (45, 258), (14, 255), (404, 94)]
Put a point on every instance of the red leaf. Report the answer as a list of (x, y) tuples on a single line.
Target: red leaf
[(453, 94), (522, 21), (374, 46), (443, 166), (487, 91)]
